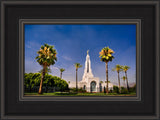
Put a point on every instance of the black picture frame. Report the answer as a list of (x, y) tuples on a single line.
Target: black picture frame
[(14, 12)]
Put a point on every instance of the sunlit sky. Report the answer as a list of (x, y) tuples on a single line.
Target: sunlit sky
[(72, 43)]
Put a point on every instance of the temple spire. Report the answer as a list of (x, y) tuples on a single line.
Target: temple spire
[(87, 52), (87, 70)]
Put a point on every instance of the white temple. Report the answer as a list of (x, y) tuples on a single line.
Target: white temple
[(89, 82)]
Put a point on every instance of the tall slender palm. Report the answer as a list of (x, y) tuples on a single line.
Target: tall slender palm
[(61, 70), (106, 56), (77, 66), (101, 82), (118, 68), (69, 82), (125, 69), (46, 57), (124, 79), (108, 82)]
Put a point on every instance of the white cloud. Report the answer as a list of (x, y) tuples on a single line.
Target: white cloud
[(67, 58), (32, 66), (32, 44)]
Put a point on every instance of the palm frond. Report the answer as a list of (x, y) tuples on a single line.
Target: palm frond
[(62, 69), (124, 78), (46, 55), (117, 68), (106, 54), (125, 68), (77, 65)]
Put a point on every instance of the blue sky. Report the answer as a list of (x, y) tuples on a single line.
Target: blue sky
[(72, 43)]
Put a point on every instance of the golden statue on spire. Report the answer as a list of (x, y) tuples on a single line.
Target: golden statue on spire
[(87, 51)]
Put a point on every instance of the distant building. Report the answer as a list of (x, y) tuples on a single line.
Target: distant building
[(89, 82)]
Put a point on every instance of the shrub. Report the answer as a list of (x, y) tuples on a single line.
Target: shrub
[(72, 89), (32, 81), (115, 89), (133, 89), (124, 90), (110, 91), (81, 90)]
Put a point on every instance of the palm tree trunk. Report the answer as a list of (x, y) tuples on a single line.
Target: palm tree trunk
[(42, 79), (76, 81), (119, 83), (127, 81), (124, 84), (107, 77), (61, 75)]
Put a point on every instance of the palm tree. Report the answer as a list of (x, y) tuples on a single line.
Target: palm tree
[(125, 69), (106, 56), (61, 70), (108, 82), (101, 82), (124, 78), (46, 57), (118, 68), (69, 82), (77, 65)]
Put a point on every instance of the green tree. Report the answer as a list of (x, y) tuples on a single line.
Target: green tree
[(33, 79), (106, 56), (118, 68), (37, 78), (46, 57), (30, 80), (125, 69), (61, 70), (77, 66)]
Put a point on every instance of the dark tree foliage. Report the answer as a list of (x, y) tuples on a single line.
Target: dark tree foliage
[(32, 80), (124, 90), (115, 89)]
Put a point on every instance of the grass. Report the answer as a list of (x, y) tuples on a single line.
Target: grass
[(78, 94)]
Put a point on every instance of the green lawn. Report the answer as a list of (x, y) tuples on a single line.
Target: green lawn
[(78, 94)]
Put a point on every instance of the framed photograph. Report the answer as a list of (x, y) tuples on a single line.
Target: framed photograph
[(85, 84), (80, 60)]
